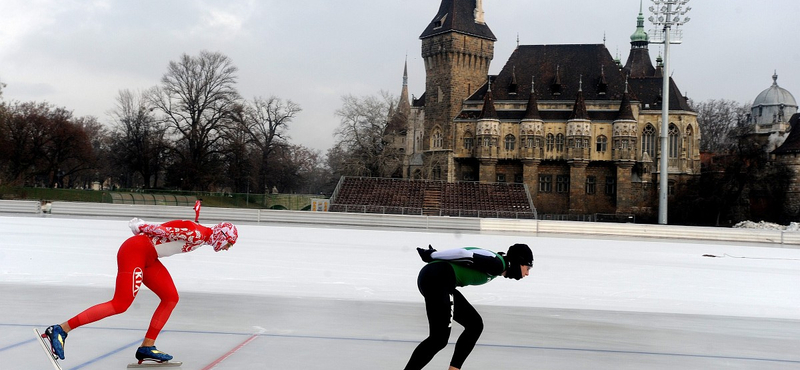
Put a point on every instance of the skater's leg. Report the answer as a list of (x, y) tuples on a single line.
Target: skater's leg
[(436, 282), (438, 308), (158, 279), (131, 261), (468, 317), (132, 258)]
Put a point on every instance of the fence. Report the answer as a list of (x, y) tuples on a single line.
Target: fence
[(773, 238)]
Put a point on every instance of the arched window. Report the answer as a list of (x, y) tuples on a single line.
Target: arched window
[(550, 142), (510, 142), (674, 142), (437, 139), (602, 143), (560, 142), (436, 172), (649, 140)]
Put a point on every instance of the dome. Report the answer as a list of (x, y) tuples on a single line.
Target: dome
[(775, 96), (772, 109)]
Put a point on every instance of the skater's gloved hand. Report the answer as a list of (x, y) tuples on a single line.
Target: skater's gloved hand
[(425, 254)]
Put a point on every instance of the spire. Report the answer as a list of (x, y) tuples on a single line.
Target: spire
[(398, 119), (625, 110), (405, 74), (532, 111), (639, 64), (579, 111), (555, 87), (602, 85), (488, 111), (639, 36)]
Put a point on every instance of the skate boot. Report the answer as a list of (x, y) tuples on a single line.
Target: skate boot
[(57, 337), (151, 354)]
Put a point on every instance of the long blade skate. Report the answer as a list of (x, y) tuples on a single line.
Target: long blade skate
[(152, 364), (46, 347)]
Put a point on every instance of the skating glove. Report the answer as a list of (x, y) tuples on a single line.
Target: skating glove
[(425, 254)]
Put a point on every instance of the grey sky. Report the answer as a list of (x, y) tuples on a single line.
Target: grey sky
[(79, 53)]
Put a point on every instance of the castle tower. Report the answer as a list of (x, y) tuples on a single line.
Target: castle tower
[(639, 64), (457, 47)]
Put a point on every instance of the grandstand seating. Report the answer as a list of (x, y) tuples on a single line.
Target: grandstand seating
[(433, 198)]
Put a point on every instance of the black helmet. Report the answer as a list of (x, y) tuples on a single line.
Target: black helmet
[(520, 254)]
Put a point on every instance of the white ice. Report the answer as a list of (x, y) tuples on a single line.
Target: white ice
[(575, 272)]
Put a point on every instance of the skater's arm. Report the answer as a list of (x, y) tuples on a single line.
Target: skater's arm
[(173, 230), (478, 259)]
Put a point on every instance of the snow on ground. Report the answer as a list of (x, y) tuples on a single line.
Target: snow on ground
[(793, 226), (381, 265)]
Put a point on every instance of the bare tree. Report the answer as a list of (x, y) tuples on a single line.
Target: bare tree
[(266, 122), (721, 121), (39, 140), (360, 147), (137, 141), (196, 97)]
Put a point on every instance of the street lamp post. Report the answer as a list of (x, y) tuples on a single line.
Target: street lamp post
[(666, 14)]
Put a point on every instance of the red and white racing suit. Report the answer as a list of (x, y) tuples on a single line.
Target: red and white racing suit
[(138, 263)]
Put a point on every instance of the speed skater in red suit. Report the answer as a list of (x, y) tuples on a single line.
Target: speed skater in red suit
[(138, 263)]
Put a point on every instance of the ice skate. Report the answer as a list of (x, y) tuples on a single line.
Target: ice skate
[(57, 337), (152, 357), (151, 354), (44, 340)]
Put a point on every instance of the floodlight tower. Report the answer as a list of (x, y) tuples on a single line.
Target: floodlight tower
[(666, 14)]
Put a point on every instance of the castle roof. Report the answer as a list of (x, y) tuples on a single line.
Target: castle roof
[(457, 16), (792, 142), (561, 65)]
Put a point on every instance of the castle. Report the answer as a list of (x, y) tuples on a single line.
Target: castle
[(571, 122)]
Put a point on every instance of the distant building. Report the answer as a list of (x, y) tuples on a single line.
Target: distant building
[(770, 115), (569, 121), (774, 113)]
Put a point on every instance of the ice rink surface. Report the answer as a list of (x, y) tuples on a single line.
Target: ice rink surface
[(294, 297)]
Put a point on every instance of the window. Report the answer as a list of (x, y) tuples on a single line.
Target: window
[(562, 184), (611, 185), (560, 142), (591, 185), (501, 177), (602, 143), (487, 141), (437, 139), (511, 142), (545, 183), (437, 172), (468, 143), (649, 141), (518, 178), (529, 142), (550, 142), (690, 142), (674, 142)]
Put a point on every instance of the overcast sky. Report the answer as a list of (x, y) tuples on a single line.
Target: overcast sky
[(79, 54)]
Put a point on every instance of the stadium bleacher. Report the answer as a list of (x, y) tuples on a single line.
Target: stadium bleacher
[(432, 198)]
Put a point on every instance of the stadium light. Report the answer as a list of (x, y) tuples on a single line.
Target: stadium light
[(666, 15)]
